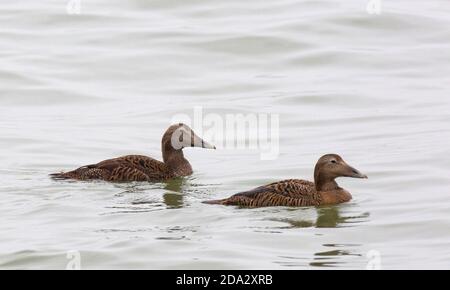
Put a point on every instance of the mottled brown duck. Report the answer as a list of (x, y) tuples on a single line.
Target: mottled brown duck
[(295, 192), (143, 168)]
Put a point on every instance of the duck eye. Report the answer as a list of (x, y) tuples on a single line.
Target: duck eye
[(333, 161)]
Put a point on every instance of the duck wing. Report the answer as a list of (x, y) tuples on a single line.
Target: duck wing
[(291, 192)]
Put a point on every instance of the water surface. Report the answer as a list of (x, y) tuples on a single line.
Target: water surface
[(76, 89)]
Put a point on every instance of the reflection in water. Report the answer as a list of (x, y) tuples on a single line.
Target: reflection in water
[(174, 198), (328, 217), (136, 195), (177, 233), (331, 258), (174, 184), (331, 217), (178, 188), (337, 255)]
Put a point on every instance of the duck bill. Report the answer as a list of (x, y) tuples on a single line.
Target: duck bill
[(183, 138), (199, 142), (207, 145), (355, 173)]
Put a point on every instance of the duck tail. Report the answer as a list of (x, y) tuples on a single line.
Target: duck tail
[(59, 176), (216, 201), (77, 174)]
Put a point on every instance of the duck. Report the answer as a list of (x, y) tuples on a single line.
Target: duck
[(142, 168), (300, 193)]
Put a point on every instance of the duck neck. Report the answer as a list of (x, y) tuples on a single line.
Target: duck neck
[(174, 159), (325, 183)]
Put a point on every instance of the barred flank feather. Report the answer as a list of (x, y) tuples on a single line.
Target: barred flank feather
[(126, 168), (292, 192)]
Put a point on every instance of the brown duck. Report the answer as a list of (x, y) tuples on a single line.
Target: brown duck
[(294, 192), (143, 168)]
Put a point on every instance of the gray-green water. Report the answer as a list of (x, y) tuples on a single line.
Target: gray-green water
[(76, 89)]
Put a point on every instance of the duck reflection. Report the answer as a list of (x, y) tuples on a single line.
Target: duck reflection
[(174, 198), (136, 197), (327, 217), (331, 217), (335, 257)]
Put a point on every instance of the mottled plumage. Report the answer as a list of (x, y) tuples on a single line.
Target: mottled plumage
[(126, 168), (292, 192), (296, 192), (143, 168)]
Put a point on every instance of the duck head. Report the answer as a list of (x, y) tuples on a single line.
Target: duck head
[(331, 166), (179, 136)]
